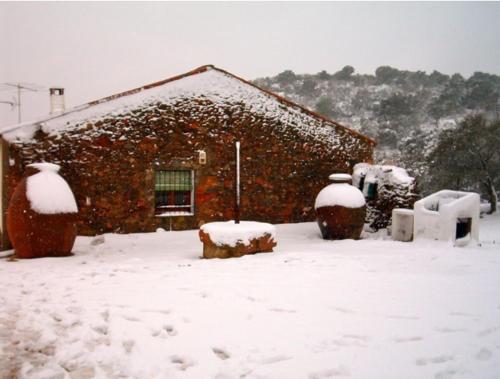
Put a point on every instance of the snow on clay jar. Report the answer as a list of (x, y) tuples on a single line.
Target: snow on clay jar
[(42, 214), (340, 209)]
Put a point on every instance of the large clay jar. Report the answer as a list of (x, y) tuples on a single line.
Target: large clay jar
[(340, 209), (42, 214)]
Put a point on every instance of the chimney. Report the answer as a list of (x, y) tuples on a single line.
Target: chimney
[(56, 100)]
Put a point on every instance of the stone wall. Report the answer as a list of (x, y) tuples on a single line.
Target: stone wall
[(110, 165)]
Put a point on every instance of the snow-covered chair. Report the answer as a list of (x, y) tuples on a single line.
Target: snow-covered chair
[(447, 216)]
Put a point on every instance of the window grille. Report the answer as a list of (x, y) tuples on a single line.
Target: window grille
[(174, 193)]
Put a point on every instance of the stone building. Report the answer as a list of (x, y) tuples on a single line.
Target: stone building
[(162, 155)]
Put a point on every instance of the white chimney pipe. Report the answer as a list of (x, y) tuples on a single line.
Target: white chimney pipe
[(56, 100)]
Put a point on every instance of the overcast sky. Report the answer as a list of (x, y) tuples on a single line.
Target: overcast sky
[(97, 49)]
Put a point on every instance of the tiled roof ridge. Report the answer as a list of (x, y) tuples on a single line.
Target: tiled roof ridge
[(197, 70)]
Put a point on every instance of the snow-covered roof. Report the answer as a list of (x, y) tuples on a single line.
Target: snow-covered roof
[(207, 82), (373, 173)]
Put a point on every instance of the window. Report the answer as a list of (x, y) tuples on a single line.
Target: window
[(361, 183), (174, 192), (371, 190)]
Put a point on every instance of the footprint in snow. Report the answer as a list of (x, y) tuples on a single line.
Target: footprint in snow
[(170, 330), (484, 354), (56, 317), (251, 298), (122, 306), (487, 332), (356, 337), (275, 359), (105, 315), (74, 309), (130, 318), (128, 345), (401, 317), (282, 310), (342, 310), (330, 373), (156, 333), (79, 371), (98, 240), (164, 331), (446, 374), (462, 314), (101, 329), (433, 360), (162, 311), (450, 330), (407, 339), (182, 363), (344, 341), (221, 353), (222, 375)]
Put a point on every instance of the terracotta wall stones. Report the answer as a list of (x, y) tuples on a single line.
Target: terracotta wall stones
[(110, 165)]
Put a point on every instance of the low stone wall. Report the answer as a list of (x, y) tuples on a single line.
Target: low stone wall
[(263, 244)]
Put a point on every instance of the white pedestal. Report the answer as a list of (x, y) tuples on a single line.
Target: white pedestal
[(402, 224)]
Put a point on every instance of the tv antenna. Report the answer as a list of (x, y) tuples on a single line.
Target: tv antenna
[(20, 87)]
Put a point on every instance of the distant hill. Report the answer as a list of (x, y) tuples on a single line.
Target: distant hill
[(397, 108)]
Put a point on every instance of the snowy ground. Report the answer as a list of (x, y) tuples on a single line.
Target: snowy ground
[(145, 306)]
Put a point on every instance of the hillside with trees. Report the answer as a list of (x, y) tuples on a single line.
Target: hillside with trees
[(411, 114)]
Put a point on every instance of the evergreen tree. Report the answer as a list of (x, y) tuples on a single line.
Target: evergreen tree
[(386, 74), (308, 87), (344, 74), (437, 78), (323, 75), (324, 106), (483, 91), (451, 100), (286, 77), (468, 158), (396, 105)]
